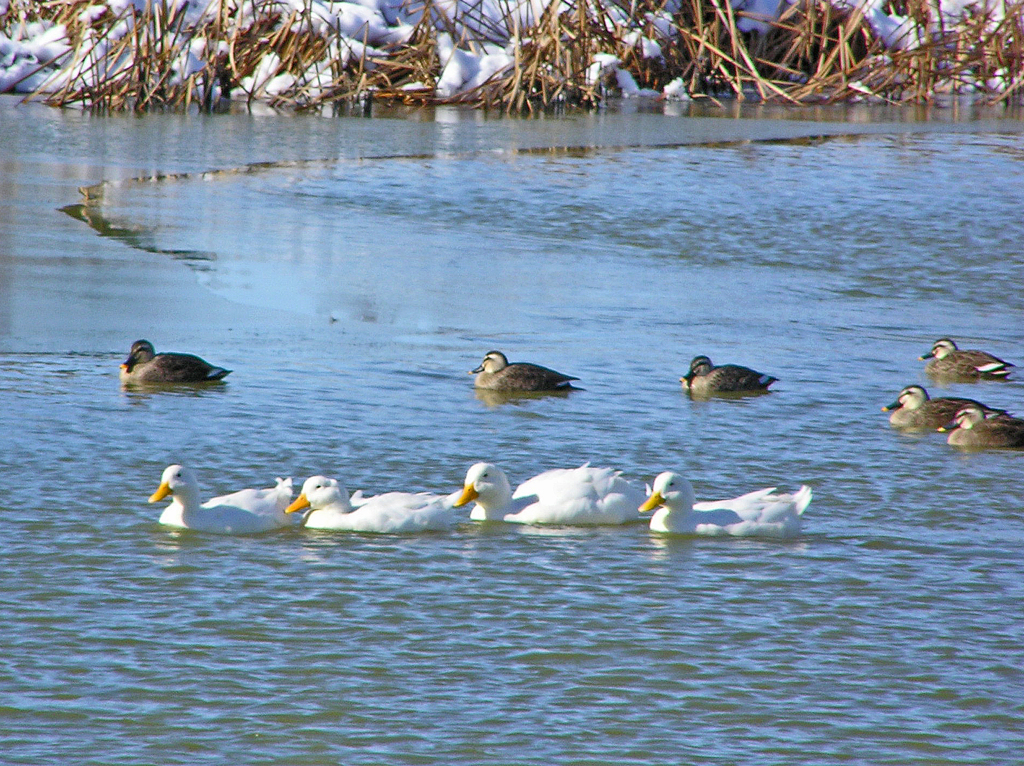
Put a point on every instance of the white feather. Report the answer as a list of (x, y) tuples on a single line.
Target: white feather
[(761, 513), (392, 512), (569, 496), (247, 511)]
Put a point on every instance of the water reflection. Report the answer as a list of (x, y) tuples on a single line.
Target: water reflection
[(704, 396), (140, 393), (137, 236), (494, 399)]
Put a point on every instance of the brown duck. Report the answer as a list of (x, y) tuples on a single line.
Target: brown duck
[(144, 365), (704, 378), (948, 361), (915, 410), (496, 373), (970, 428)]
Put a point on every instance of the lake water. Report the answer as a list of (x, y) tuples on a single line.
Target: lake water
[(350, 271)]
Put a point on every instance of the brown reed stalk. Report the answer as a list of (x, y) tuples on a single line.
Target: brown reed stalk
[(813, 52)]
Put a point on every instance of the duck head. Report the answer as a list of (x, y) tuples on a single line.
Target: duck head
[(966, 417), (141, 352), (319, 492), (670, 490), (699, 365), (176, 480), (487, 485), (494, 361), (941, 348), (910, 398)]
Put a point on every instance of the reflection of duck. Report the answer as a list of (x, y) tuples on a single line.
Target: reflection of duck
[(948, 361), (761, 513), (572, 496), (705, 379), (331, 508), (498, 398), (497, 374), (914, 410), (144, 365), (247, 511), (970, 428)]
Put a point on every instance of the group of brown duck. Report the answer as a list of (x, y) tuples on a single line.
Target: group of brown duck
[(968, 422), (704, 379)]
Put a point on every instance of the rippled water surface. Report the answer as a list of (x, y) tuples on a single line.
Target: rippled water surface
[(350, 271)]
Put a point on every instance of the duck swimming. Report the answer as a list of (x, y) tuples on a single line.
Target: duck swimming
[(948, 361), (914, 410), (496, 373), (144, 365), (705, 379), (395, 512), (761, 513), (970, 428), (570, 496), (248, 511)]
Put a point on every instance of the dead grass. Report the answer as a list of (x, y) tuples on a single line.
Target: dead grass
[(813, 53)]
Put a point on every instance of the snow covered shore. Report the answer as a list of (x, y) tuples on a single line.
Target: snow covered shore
[(136, 53)]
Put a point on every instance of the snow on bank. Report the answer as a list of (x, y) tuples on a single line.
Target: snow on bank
[(38, 56)]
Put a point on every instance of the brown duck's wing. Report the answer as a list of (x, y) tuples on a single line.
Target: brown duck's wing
[(969, 365), (1009, 431), (985, 363), (523, 376), (181, 368), (954, 365), (940, 411), (950, 405), (733, 377)]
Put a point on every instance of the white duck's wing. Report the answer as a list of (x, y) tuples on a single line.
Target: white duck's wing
[(751, 499), (247, 511), (581, 495), (393, 512), (773, 508), (763, 505), (715, 520), (271, 501), (758, 514), (231, 520)]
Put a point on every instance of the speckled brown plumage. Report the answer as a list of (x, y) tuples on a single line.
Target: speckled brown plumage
[(915, 410), (971, 428), (144, 365), (704, 378), (952, 363), (495, 373)]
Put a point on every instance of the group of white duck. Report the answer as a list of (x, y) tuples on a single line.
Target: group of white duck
[(563, 496), (583, 496)]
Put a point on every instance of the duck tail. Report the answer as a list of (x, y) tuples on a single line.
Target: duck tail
[(802, 499), (995, 370)]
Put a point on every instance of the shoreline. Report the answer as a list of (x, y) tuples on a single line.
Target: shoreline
[(519, 58)]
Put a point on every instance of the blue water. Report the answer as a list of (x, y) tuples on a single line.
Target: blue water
[(352, 282)]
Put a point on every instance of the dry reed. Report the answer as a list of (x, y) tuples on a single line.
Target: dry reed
[(814, 52)]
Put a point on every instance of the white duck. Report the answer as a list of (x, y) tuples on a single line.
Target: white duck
[(570, 496), (756, 514), (247, 511), (331, 508)]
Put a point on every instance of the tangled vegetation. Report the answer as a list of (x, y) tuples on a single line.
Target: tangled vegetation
[(165, 54)]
